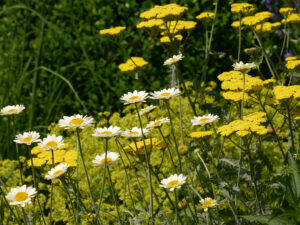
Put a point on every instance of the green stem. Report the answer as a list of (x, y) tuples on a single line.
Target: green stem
[(291, 127), (104, 175), (240, 38), (176, 206), (51, 194)]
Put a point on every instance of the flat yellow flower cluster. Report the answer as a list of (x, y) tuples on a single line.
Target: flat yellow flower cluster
[(292, 63), (150, 23), (132, 63), (201, 134), (242, 8), (292, 18), (286, 11), (251, 123), (256, 19), (235, 96), (267, 27), (164, 11), (112, 31), (205, 16), (43, 157), (286, 92), (166, 39), (139, 149)]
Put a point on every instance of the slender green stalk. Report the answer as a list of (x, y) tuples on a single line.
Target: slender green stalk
[(25, 218), (87, 176), (291, 126), (36, 186), (176, 206), (17, 150), (104, 175), (240, 37), (77, 186), (285, 37), (51, 195), (243, 97), (171, 157), (114, 195)]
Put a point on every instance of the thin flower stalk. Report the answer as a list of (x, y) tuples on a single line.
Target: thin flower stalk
[(103, 178), (168, 147)]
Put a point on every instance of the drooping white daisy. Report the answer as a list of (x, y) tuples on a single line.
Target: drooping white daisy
[(135, 132), (134, 97), (208, 203), (107, 132), (111, 158), (11, 110), (173, 181), (165, 94), (202, 120), (158, 123), (147, 109), (173, 60), (27, 138), (77, 121), (21, 195), (51, 142), (57, 171), (243, 67)]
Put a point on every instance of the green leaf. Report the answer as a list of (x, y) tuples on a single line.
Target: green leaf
[(270, 219)]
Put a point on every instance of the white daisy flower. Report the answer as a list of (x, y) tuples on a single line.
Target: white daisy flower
[(111, 158), (173, 181), (165, 94), (146, 110), (51, 142), (77, 121), (202, 120), (21, 195), (173, 60), (11, 110), (134, 97), (27, 138), (107, 132), (135, 132), (243, 67), (57, 171), (208, 203), (158, 123)]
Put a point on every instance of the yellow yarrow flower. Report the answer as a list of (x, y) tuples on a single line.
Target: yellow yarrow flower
[(236, 24), (266, 27), (112, 31), (201, 134), (243, 8), (205, 16), (235, 96), (166, 39), (293, 18), (292, 63), (150, 23), (286, 11), (164, 11), (286, 92), (133, 63)]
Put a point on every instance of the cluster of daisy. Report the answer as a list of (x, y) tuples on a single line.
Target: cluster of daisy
[(250, 123), (133, 63)]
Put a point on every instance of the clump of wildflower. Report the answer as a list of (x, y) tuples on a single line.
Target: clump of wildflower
[(112, 31), (150, 23), (174, 181), (166, 39), (77, 121), (135, 132), (292, 18), (202, 120), (205, 16), (173, 60), (111, 158), (27, 138), (107, 132), (235, 96), (292, 63), (133, 63), (51, 142), (242, 8), (267, 27), (208, 203), (243, 67), (21, 195), (57, 171), (164, 11), (286, 11), (134, 97), (11, 110), (286, 92), (165, 94), (258, 18), (201, 134)]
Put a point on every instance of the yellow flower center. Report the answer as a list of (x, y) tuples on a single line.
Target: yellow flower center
[(173, 183), (108, 160), (157, 123), (207, 203), (133, 132), (57, 172), (133, 98), (203, 120), (27, 139), (166, 94), (21, 196), (76, 121), (51, 144), (12, 110), (106, 132)]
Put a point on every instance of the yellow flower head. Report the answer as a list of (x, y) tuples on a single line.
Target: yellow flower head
[(164, 11), (286, 11), (150, 23), (242, 8), (132, 63), (201, 134), (293, 18), (166, 39), (112, 31), (205, 16)]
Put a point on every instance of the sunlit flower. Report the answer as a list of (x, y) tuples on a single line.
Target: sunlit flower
[(135, 132), (208, 203), (27, 138), (77, 121), (51, 142), (11, 110), (201, 134), (57, 171), (165, 94), (202, 120), (173, 181), (21, 195), (158, 123), (243, 67), (173, 60), (107, 132), (147, 109), (134, 97), (111, 158)]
